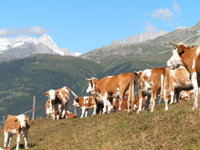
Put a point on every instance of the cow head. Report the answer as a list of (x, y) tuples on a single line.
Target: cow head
[(176, 59), (76, 100), (91, 85), (22, 119), (51, 94), (138, 74)]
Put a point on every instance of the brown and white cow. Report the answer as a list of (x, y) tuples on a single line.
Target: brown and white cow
[(188, 57), (70, 115), (16, 125), (175, 81), (124, 105), (112, 87), (60, 98), (85, 103), (50, 111), (150, 84), (186, 95)]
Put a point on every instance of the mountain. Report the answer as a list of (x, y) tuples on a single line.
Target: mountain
[(21, 79), (139, 38), (151, 47), (29, 46)]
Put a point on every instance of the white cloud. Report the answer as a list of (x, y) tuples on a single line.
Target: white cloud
[(36, 30), (176, 7), (164, 14), (149, 27)]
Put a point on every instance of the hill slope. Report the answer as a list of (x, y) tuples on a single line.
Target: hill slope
[(176, 129), (21, 79)]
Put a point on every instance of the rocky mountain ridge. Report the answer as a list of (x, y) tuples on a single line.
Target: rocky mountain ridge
[(139, 38), (29, 46)]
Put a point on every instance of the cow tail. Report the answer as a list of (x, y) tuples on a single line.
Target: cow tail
[(131, 97), (162, 85), (71, 91)]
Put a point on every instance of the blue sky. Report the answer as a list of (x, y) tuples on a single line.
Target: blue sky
[(84, 25)]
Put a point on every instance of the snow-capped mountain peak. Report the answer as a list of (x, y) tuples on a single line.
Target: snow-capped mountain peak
[(12, 43)]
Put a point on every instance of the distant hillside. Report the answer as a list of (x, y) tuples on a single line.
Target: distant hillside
[(21, 79), (176, 129), (159, 45)]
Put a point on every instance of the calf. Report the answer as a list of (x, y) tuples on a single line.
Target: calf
[(70, 115), (50, 111), (189, 57), (112, 87), (186, 95), (16, 125), (175, 81), (85, 103), (60, 97), (124, 105), (150, 84)]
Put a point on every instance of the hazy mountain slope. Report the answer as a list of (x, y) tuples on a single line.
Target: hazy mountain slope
[(149, 47), (22, 79)]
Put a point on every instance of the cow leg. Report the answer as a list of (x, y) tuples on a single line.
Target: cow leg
[(153, 101), (195, 83), (60, 111), (65, 110), (105, 100), (114, 104), (95, 104), (172, 97), (147, 102), (109, 106), (6, 138), (9, 140), (95, 108), (18, 141), (86, 112), (25, 133), (140, 100), (166, 99), (83, 111), (177, 92)]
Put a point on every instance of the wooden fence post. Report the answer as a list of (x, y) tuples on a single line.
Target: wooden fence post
[(33, 112)]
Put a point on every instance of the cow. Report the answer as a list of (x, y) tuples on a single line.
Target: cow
[(50, 110), (59, 98), (186, 95), (112, 87), (174, 82), (70, 115), (85, 103), (150, 84), (16, 125), (188, 57), (124, 105)]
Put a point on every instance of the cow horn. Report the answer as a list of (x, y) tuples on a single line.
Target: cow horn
[(87, 79), (173, 43)]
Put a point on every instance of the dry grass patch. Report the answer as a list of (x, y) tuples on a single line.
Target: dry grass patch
[(176, 129)]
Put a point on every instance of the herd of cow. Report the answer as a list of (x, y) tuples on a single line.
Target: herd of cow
[(179, 81)]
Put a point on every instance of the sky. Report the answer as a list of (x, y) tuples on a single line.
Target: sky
[(85, 25)]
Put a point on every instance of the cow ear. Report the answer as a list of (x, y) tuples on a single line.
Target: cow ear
[(136, 74), (76, 99), (47, 94), (181, 49), (27, 117), (15, 120), (57, 92)]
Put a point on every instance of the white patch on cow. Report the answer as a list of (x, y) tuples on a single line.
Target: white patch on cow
[(196, 90), (109, 76), (90, 89), (22, 120), (193, 64), (198, 51), (86, 101), (175, 60), (13, 132)]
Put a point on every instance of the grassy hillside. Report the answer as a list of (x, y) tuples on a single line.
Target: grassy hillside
[(21, 79), (176, 129)]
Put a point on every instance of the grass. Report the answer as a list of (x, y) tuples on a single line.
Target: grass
[(176, 129)]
